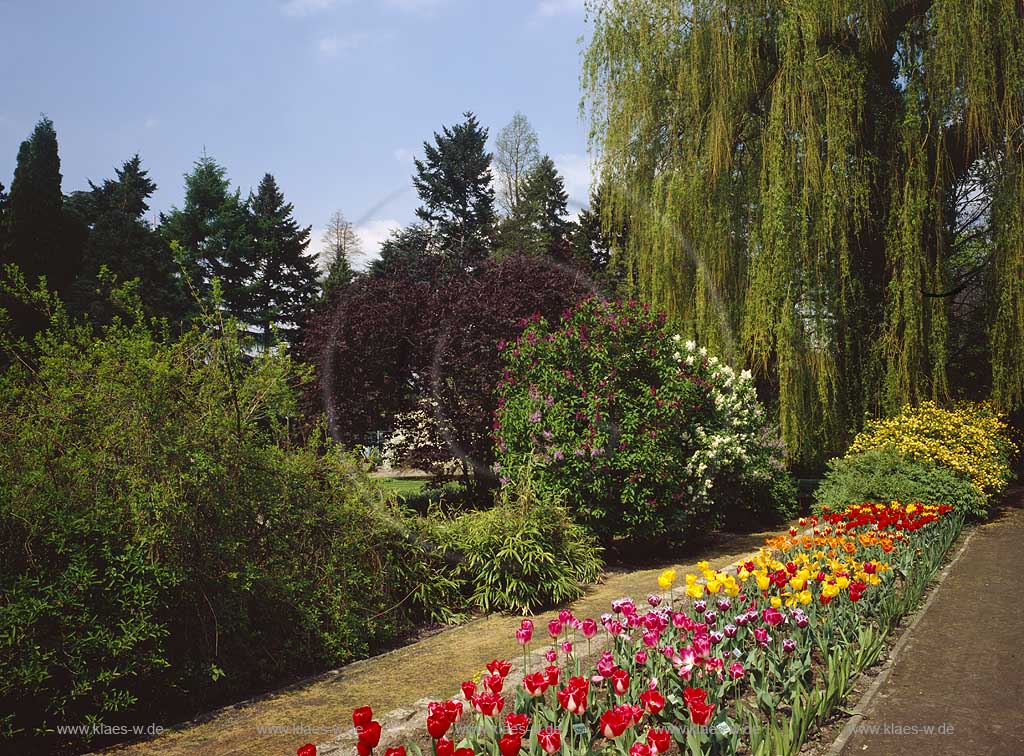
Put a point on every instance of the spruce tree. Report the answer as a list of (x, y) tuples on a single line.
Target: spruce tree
[(539, 224), (454, 183), (121, 240), (547, 206), (286, 284), (196, 224)]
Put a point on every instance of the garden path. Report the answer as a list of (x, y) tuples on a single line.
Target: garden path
[(961, 670), (397, 684)]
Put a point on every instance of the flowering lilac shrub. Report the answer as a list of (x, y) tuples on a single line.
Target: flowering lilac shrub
[(633, 428)]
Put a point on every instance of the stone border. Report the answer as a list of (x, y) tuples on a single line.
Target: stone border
[(858, 711)]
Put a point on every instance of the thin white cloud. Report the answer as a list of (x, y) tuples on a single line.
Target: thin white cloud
[(404, 155), (559, 7), (152, 122), (578, 173), (332, 44), (372, 234), (300, 8), (415, 6)]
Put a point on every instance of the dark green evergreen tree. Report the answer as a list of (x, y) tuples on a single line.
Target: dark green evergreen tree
[(121, 240), (286, 284), (546, 205), (41, 238), (539, 223), (407, 255), (597, 249), (196, 224), (454, 183)]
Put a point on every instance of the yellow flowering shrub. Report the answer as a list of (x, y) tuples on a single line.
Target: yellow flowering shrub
[(972, 440)]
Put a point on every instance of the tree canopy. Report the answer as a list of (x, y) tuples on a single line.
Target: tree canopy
[(829, 189)]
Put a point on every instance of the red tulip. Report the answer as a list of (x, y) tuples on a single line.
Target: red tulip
[(437, 726), (468, 689), (620, 681), (499, 667), (613, 723), (454, 710), (363, 750), (493, 683), (445, 747), (535, 684), (362, 716), (510, 745), (772, 616), (653, 701), (641, 749), (369, 733), (691, 695), (550, 739), (659, 740), (488, 704), (400, 751), (307, 750), (553, 675), (463, 752), (573, 698), (517, 724), (700, 712)]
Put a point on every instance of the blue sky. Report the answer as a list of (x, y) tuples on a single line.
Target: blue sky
[(333, 97)]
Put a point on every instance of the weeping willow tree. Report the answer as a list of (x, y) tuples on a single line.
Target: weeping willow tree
[(829, 190)]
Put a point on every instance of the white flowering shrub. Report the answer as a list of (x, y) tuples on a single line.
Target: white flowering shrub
[(642, 435), (739, 462)]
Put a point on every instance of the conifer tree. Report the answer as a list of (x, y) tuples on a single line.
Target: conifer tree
[(121, 240), (41, 238), (286, 284), (454, 183)]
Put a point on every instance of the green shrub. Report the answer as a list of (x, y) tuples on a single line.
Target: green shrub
[(634, 429), (164, 542), (884, 476), (524, 554)]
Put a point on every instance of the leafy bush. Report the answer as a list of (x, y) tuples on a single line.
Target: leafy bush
[(525, 553), (972, 440), (884, 475), (423, 356), (631, 428), (163, 541)]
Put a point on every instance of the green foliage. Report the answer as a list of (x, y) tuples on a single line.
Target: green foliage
[(538, 224), (800, 184), (524, 554), (164, 543), (636, 431), (121, 241), (886, 475), (285, 285), (454, 183)]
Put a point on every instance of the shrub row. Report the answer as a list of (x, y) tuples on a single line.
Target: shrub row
[(961, 457)]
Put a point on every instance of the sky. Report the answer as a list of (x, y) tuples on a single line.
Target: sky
[(333, 97)]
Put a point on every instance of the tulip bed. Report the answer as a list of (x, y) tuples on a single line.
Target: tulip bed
[(745, 660)]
